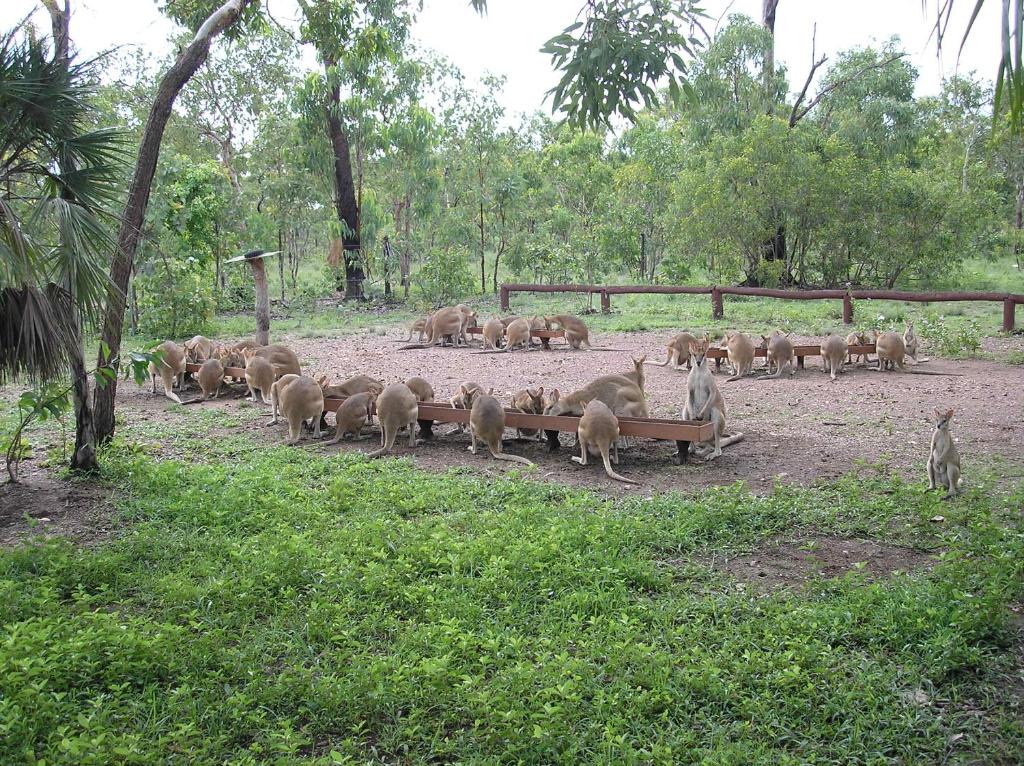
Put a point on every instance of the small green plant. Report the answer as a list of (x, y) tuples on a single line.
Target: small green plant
[(949, 339)]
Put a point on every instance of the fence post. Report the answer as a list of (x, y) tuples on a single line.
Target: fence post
[(1009, 311), (717, 309), (847, 308), (606, 302), (504, 298)]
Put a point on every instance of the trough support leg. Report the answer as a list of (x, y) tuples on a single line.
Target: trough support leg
[(1009, 311), (847, 309), (504, 298), (717, 309), (606, 302), (553, 443), (426, 429), (683, 449)]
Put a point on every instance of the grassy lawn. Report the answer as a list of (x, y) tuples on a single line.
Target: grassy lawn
[(268, 605)]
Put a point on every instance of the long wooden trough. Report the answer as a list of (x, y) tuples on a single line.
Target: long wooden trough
[(544, 335), (718, 354)]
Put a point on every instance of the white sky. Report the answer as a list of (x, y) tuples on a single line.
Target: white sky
[(507, 40)]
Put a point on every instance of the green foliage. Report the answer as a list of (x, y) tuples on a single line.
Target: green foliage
[(444, 277), (959, 340)]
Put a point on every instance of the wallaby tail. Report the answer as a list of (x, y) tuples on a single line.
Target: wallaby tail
[(509, 458), (389, 441), (610, 471), (659, 364), (725, 441)]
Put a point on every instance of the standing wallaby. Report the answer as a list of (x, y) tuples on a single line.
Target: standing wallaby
[(891, 351), (911, 343), (517, 334), (494, 331), (598, 433), (678, 351), (637, 373), (447, 322), (171, 370), (352, 415), (463, 400), (419, 326), (944, 460), (211, 377), (704, 401), (780, 355), (740, 351), (857, 339), (576, 332), (397, 408), (300, 400), (530, 401), (833, 352), (259, 375), (487, 423), (275, 394)]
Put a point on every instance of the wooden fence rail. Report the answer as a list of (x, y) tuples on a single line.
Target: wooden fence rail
[(1009, 300)]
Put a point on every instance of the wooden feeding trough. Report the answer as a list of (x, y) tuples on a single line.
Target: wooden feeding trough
[(718, 354), (544, 335)]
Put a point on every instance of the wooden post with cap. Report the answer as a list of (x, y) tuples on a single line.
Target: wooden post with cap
[(255, 260)]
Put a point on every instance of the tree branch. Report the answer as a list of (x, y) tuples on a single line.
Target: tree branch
[(795, 117)]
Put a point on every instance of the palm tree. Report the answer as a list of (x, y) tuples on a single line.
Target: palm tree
[(58, 178)]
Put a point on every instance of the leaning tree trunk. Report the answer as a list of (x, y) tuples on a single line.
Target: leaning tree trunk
[(188, 61), (345, 203)]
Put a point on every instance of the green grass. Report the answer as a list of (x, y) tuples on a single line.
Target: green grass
[(285, 607)]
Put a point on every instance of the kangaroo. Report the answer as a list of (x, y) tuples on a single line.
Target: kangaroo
[(517, 334), (530, 401), (397, 408), (780, 355), (598, 434), (283, 358), (211, 377), (299, 400), (494, 330), (259, 375), (275, 394), (678, 352), (419, 326), (833, 352), (198, 349), (352, 415), (487, 423), (704, 401), (171, 370), (576, 332), (944, 460), (857, 339), (740, 350), (891, 351)]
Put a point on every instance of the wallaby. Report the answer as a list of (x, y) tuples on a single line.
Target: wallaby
[(911, 343), (576, 332), (198, 349), (637, 373), (275, 394), (300, 400), (704, 401), (678, 352), (620, 394), (463, 400), (171, 370), (833, 352), (487, 423), (447, 322), (944, 460), (283, 358), (598, 433), (740, 351), (891, 351), (352, 415), (517, 334), (419, 326), (423, 391), (397, 408), (470, 315), (211, 377), (357, 384), (857, 339), (259, 375), (530, 401), (780, 355), (508, 320), (494, 331)]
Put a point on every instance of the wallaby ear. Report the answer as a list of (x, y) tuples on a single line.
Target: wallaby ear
[(555, 396), (321, 380), (949, 414), (490, 391), (540, 391), (462, 389)]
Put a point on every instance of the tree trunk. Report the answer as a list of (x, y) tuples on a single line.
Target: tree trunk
[(280, 260), (403, 256), (483, 263), (345, 204), (768, 73), (259, 276), (185, 65), (1018, 222), (643, 255)]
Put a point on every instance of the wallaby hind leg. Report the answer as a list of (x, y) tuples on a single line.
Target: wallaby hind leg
[(716, 420), (953, 477), (615, 453), (412, 433), (472, 440), (582, 459)]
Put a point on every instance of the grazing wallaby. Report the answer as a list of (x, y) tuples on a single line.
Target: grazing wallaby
[(419, 326), (857, 339), (487, 423), (275, 393), (423, 391), (397, 408), (171, 370), (704, 401), (740, 350), (598, 434), (357, 384), (352, 415), (508, 320), (242, 345), (259, 375), (517, 334), (300, 400), (678, 352), (198, 348), (494, 331), (211, 377), (622, 395), (891, 351), (283, 358), (463, 400), (833, 352), (576, 332), (448, 322), (780, 354), (944, 460), (530, 401)]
